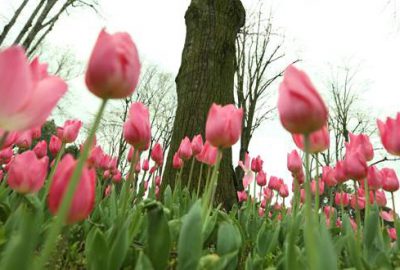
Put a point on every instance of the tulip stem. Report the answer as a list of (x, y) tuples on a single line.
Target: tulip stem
[(255, 189), (312, 252), (128, 182), (366, 199), (199, 181), (211, 187), (358, 216), (66, 201), (191, 173), (3, 139), (52, 172), (394, 209), (330, 207)]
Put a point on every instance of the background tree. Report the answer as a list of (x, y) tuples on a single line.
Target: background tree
[(206, 75)]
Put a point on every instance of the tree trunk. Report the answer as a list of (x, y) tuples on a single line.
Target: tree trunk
[(206, 76), (10, 24)]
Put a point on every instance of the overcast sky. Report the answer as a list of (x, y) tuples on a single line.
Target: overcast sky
[(323, 34)]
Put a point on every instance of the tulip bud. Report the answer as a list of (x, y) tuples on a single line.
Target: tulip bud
[(340, 174), (40, 149), (392, 233), (355, 166), (158, 180), (319, 140), (328, 176), (284, 191), (177, 162), (314, 187), (294, 163), (208, 154), (361, 144), (70, 130), (389, 180), (137, 130), (374, 178), (5, 155), (157, 154), (242, 196), (145, 165), (54, 145), (257, 164), (261, 178), (197, 144), (389, 133), (185, 149), (117, 177), (24, 139), (342, 199)]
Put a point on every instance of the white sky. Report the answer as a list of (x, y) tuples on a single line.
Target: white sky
[(321, 33)]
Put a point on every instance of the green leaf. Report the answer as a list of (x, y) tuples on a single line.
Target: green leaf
[(229, 242), (143, 263), (327, 255), (190, 239), (119, 246), (158, 238), (96, 250)]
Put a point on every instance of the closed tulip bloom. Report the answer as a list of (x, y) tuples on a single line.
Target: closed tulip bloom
[(242, 196), (208, 154), (275, 183), (321, 185), (224, 125), (301, 109), (106, 174), (261, 179), (137, 131), (40, 149), (374, 178), (248, 173), (71, 130), (294, 162), (379, 197), (389, 132), (319, 140), (117, 177), (392, 233), (145, 165), (197, 144), (10, 138), (157, 154), (158, 180), (27, 173), (268, 194), (328, 176), (284, 191), (95, 157), (257, 164), (342, 199), (153, 169), (177, 162), (36, 133), (146, 185), (138, 167), (28, 93), (84, 196), (329, 211), (362, 144), (261, 212), (390, 182), (6, 155), (355, 166), (387, 216), (185, 149), (54, 145), (24, 139), (340, 174), (361, 202), (114, 66)]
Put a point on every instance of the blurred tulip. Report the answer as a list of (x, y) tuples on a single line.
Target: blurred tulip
[(342, 199), (294, 162), (185, 149), (319, 140), (157, 154), (208, 154), (328, 176), (390, 134), (177, 162), (71, 130), (360, 143), (145, 165), (321, 185), (137, 131), (257, 164), (40, 149), (6, 155), (374, 178), (197, 144), (261, 178), (284, 191), (24, 139), (54, 145), (390, 181), (340, 173), (355, 166), (242, 196)]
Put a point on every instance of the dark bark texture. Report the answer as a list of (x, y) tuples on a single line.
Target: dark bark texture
[(206, 76)]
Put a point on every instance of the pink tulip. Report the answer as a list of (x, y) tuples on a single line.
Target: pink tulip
[(177, 162), (117, 177), (261, 212), (146, 185), (387, 216), (107, 191), (302, 195), (257, 164), (392, 233), (157, 180), (301, 109), (54, 145), (24, 139), (340, 174), (40, 149), (10, 139), (390, 134), (137, 130), (242, 196), (70, 130), (342, 199), (84, 196), (379, 197), (314, 187), (106, 174), (374, 178), (28, 93), (361, 144), (157, 154), (224, 125), (275, 183), (319, 140), (114, 66), (208, 154), (185, 149), (294, 162), (361, 202), (329, 211), (137, 167), (390, 182), (27, 173), (261, 178), (355, 166), (36, 133), (6, 155), (95, 157), (197, 144), (145, 165), (153, 169), (284, 191), (268, 194), (248, 173), (328, 176)]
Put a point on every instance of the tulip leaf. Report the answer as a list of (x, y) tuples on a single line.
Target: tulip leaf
[(119, 246), (96, 250), (229, 242), (143, 263)]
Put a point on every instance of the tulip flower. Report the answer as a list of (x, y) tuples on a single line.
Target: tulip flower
[(257, 164), (36, 133), (389, 132), (224, 125), (40, 149), (84, 196), (70, 130), (261, 212), (27, 173), (362, 144), (197, 144), (268, 194), (392, 233), (319, 140), (114, 66), (9, 140), (106, 174), (355, 166), (95, 157), (242, 196), (390, 181), (360, 203), (177, 162), (54, 145), (248, 174), (153, 169), (329, 211), (328, 176), (185, 149), (294, 162), (261, 178), (275, 183), (28, 93), (208, 154), (137, 131), (157, 154), (117, 177), (157, 180), (24, 139), (145, 165), (387, 216), (314, 187), (342, 199), (378, 196), (301, 109), (6, 155), (374, 178), (283, 191), (340, 174)]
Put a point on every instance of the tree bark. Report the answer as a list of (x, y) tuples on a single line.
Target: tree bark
[(10, 24), (206, 76)]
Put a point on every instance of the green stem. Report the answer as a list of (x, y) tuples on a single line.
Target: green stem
[(316, 190), (394, 209), (63, 210), (358, 216), (210, 191), (255, 189), (191, 173), (128, 182), (199, 181), (330, 207), (366, 198)]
